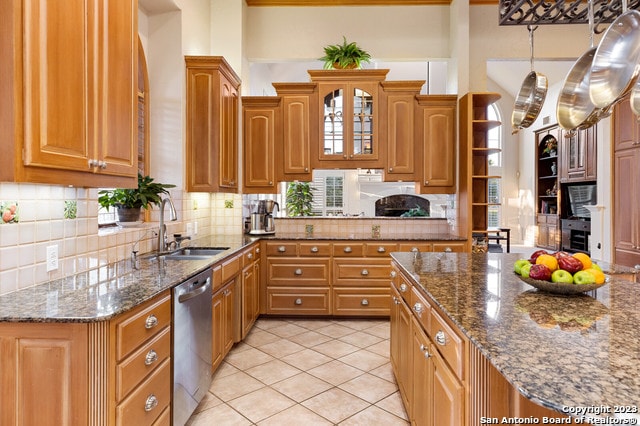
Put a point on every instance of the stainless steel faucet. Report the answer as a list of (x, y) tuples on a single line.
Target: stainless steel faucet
[(162, 234)]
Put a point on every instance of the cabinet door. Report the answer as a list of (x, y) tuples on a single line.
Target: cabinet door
[(422, 398), (394, 337), (405, 357), (626, 128), (249, 298), (218, 328), (228, 155), (231, 321), (591, 150), (260, 115), (448, 394), (436, 136), (626, 200), (401, 155), (578, 155), (296, 137)]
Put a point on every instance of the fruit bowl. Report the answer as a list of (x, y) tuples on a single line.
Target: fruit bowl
[(561, 288)]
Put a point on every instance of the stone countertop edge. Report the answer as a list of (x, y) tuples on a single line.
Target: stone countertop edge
[(319, 236), (558, 351)]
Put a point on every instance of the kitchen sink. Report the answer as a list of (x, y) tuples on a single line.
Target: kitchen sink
[(194, 253)]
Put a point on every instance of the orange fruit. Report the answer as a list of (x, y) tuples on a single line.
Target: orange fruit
[(584, 258), (597, 274), (547, 260)]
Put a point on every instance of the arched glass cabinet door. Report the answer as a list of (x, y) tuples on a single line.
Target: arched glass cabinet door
[(362, 122), (334, 126)]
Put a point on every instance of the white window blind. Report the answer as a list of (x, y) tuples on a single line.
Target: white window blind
[(328, 195)]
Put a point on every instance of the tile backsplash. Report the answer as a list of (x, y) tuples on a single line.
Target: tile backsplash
[(46, 215)]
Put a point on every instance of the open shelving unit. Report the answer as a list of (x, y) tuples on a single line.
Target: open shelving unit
[(474, 165), (548, 189)]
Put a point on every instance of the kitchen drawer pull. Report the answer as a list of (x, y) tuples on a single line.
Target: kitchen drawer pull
[(298, 271), (282, 249), (418, 308), (151, 357), (393, 274), (347, 249), (364, 272), (381, 249), (298, 302), (151, 403), (448, 250), (403, 287), (364, 302), (426, 182), (258, 250), (314, 249), (422, 347), (441, 338), (415, 250), (250, 256), (151, 322), (395, 300)]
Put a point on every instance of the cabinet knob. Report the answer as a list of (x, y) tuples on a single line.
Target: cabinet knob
[(150, 403), (364, 272), (102, 164), (440, 338), (395, 300), (347, 249), (364, 302), (426, 182), (150, 322), (298, 302), (403, 287), (298, 271), (270, 182), (151, 357), (390, 169), (381, 249), (282, 249), (418, 308), (393, 274), (314, 249), (448, 250), (344, 156), (258, 250), (250, 256), (306, 169)]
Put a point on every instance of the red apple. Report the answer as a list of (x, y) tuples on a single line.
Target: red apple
[(560, 254), (540, 272), (535, 255), (569, 264)]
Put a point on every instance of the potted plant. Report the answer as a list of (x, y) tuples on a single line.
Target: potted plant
[(299, 199), (345, 55), (129, 202)]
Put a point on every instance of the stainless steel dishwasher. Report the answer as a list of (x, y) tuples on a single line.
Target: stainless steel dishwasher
[(192, 338)]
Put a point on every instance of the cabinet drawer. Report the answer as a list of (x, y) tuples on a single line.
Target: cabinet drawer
[(403, 285), (448, 343), (380, 249), (282, 249), (142, 362), (362, 301), (217, 278), (231, 268), (298, 271), (367, 272), (420, 246), (145, 405), (298, 301), (576, 225), (313, 249), (421, 309), (164, 419), (449, 247), (348, 249), (249, 256), (139, 326)]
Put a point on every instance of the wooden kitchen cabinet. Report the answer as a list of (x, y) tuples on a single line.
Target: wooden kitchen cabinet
[(436, 144), (397, 129), (578, 155), (250, 293), (212, 108), (547, 189), (224, 318), (260, 117), (69, 92)]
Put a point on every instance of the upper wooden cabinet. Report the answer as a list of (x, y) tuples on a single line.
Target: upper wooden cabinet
[(349, 103), (578, 155), (436, 144), (260, 131), (69, 91), (212, 125)]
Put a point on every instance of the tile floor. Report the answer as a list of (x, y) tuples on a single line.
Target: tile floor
[(306, 372)]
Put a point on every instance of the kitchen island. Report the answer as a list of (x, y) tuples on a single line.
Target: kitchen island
[(578, 356)]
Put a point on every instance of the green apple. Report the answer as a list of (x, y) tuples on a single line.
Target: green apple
[(524, 270), (596, 266), (518, 265), (561, 276), (584, 277)]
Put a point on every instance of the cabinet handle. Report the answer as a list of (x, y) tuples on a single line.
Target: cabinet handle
[(390, 169), (150, 322), (395, 300), (282, 249), (426, 182), (91, 162), (298, 271), (150, 403), (418, 308), (306, 169), (347, 249), (440, 338), (364, 302), (364, 272), (250, 256), (403, 287), (102, 164), (258, 250), (381, 249), (448, 250), (314, 249), (151, 357), (393, 274), (298, 302), (270, 182)]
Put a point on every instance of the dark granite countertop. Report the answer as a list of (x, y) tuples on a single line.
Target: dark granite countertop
[(578, 351)]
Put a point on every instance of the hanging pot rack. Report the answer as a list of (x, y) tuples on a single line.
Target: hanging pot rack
[(553, 12)]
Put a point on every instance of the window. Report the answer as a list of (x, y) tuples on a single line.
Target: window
[(494, 139), (493, 216), (328, 193)]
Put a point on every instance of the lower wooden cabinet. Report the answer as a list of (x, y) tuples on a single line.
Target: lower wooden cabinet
[(224, 321), (250, 290)]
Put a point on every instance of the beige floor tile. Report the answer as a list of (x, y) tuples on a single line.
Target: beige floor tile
[(296, 416), (302, 387), (281, 348), (358, 324), (221, 415), (313, 324), (209, 401), (364, 360), (310, 338), (287, 330), (393, 404), (306, 359), (335, 372), (369, 387), (382, 348), (224, 369), (247, 359), (335, 331), (258, 337), (269, 323), (374, 416), (384, 372), (261, 404), (234, 386), (360, 339), (272, 371), (239, 347), (335, 405), (335, 348), (381, 330)]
